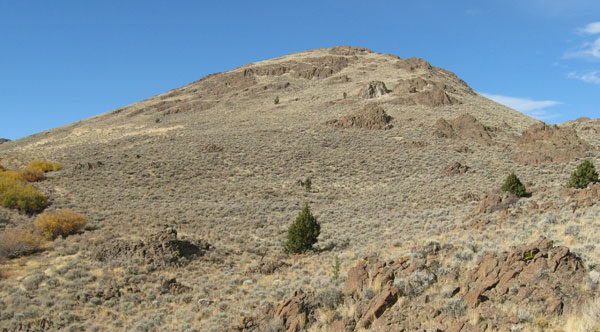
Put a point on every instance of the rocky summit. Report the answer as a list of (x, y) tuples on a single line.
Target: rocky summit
[(189, 195)]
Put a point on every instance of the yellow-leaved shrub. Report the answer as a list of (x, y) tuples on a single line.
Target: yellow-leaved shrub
[(59, 223), (45, 165)]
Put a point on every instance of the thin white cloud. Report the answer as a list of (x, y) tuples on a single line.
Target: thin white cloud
[(587, 50), (534, 108), (590, 77), (591, 29)]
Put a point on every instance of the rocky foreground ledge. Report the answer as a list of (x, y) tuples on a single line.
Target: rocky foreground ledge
[(533, 284)]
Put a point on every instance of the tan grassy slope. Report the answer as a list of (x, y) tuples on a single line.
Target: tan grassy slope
[(219, 161)]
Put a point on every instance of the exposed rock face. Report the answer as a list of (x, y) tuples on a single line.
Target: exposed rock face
[(348, 50), (161, 249), (371, 117), (399, 295), (548, 143), (464, 127), (317, 67), (374, 89)]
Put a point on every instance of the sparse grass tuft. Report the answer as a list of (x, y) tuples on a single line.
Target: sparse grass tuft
[(17, 242), (45, 165), (15, 194), (60, 223)]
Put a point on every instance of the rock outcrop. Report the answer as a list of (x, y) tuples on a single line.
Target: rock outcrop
[(421, 294), (372, 117), (464, 127), (374, 89), (161, 249), (542, 143)]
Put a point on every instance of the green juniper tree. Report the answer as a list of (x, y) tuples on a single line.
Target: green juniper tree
[(513, 185), (583, 175), (303, 233)]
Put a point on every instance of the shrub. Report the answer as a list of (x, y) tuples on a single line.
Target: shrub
[(514, 186), (17, 242), (15, 194), (11, 175), (303, 233), (276, 101), (31, 174), (308, 184), (60, 223), (45, 165), (583, 175)]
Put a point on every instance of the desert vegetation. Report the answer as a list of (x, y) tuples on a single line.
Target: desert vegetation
[(187, 217), (303, 232), (514, 185), (583, 175), (59, 223)]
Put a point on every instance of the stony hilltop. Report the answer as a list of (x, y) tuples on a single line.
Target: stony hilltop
[(189, 196)]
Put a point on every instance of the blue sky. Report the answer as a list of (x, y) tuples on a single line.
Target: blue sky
[(63, 61)]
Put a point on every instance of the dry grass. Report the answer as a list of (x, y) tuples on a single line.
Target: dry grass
[(16, 242), (45, 165), (60, 223)]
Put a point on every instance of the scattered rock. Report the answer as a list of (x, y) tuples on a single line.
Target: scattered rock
[(161, 249), (89, 165), (371, 117), (495, 201), (171, 286), (542, 143), (348, 50), (374, 89), (455, 168), (210, 148), (419, 91), (412, 64), (464, 127), (316, 67)]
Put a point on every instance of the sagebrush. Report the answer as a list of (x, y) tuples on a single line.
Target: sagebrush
[(16, 242)]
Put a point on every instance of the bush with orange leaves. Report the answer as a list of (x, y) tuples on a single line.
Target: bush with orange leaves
[(17, 242), (45, 165), (59, 223), (31, 174)]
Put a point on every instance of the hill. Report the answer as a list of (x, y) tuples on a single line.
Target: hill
[(189, 195)]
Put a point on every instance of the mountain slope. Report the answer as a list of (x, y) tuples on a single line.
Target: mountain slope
[(220, 161)]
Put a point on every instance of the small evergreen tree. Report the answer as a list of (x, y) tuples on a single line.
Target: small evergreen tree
[(514, 185), (308, 184), (276, 101), (583, 175), (303, 233)]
